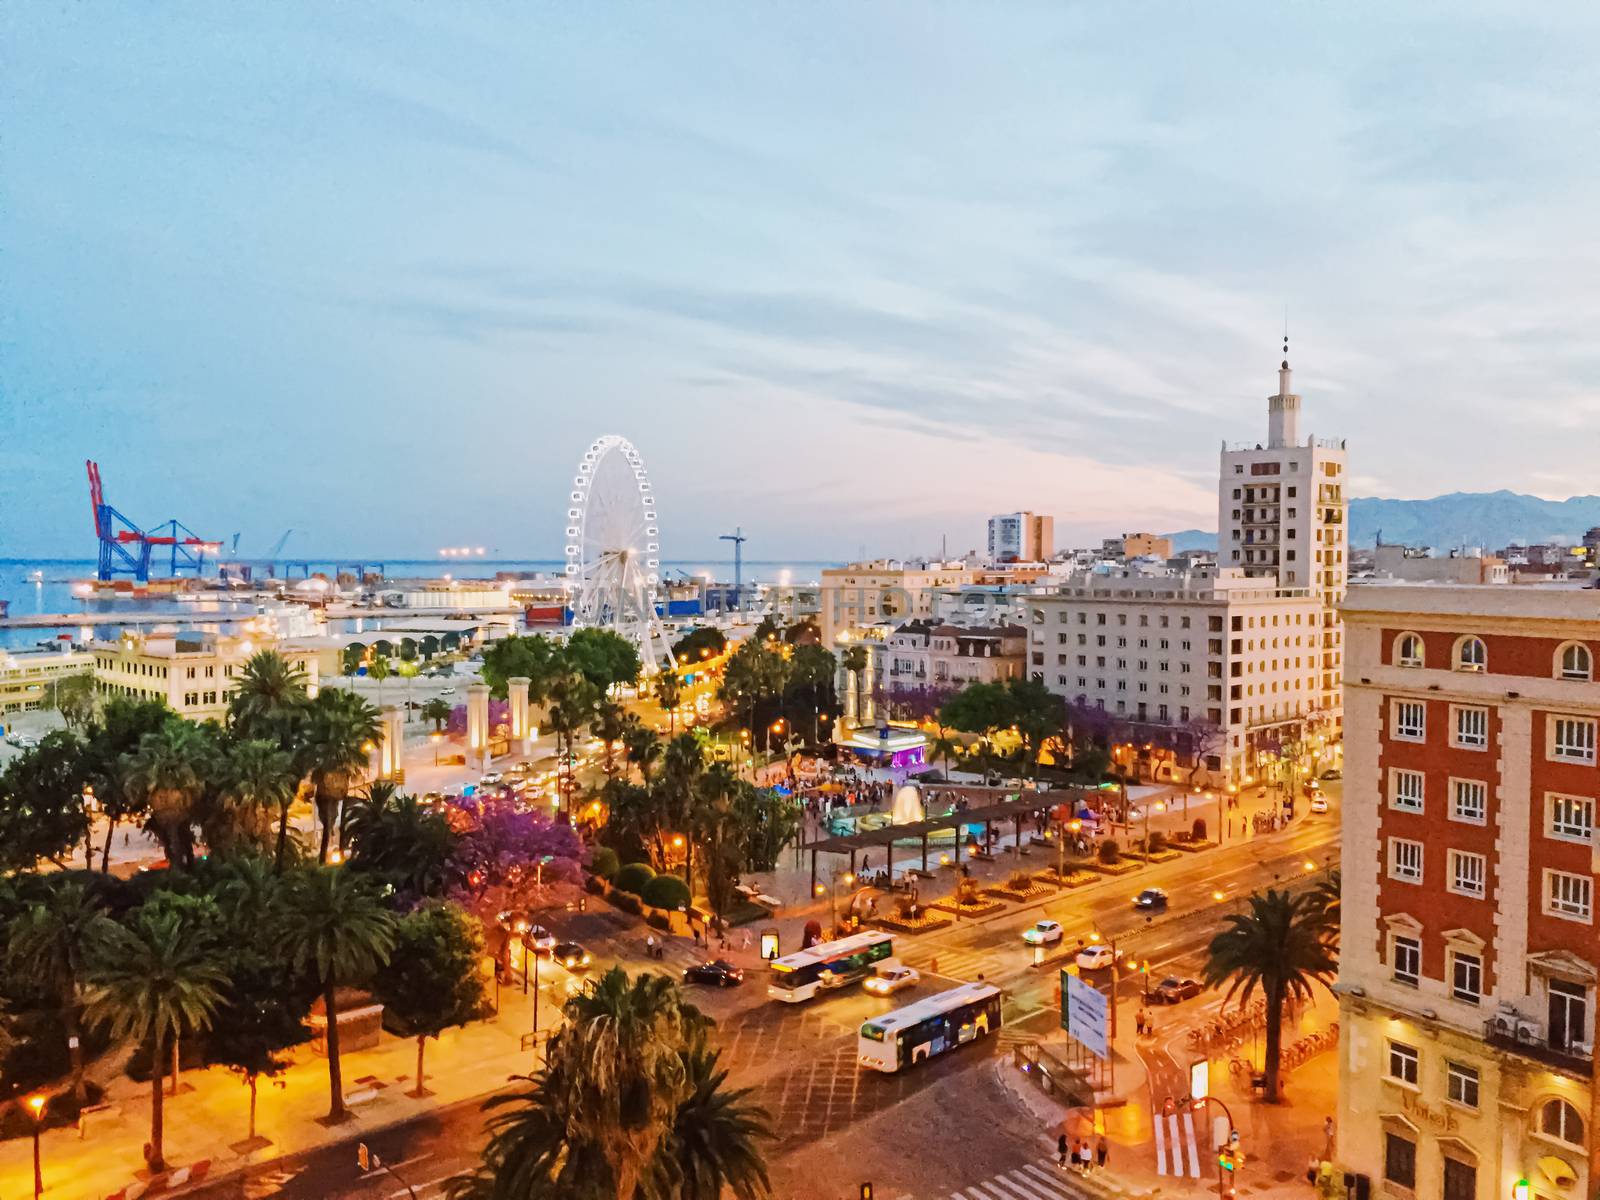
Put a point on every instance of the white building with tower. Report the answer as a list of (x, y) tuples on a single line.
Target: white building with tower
[(1281, 515)]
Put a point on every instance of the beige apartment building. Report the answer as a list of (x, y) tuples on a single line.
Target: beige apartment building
[(1163, 651), (26, 676), (1282, 514), (885, 590), (192, 672), (1470, 954), (933, 654)]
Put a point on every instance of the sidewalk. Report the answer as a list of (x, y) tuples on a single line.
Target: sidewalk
[(208, 1121)]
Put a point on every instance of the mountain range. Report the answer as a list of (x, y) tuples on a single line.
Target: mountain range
[(1491, 520)]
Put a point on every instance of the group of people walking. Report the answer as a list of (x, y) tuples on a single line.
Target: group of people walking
[(1080, 1155)]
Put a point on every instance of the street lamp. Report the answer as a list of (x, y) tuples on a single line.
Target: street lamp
[(436, 738), (36, 1106)]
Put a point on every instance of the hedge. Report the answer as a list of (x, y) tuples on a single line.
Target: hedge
[(665, 891), (605, 863), (594, 884), (627, 902), (659, 920), (633, 877)]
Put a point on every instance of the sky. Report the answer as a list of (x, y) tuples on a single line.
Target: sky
[(849, 276)]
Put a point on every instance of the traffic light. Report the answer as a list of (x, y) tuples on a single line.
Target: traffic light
[(866, 1191), (1225, 1158)]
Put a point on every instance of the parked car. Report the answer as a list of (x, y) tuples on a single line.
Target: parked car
[(571, 956), (1151, 900), (1042, 933), (490, 778), (541, 940), (890, 979), (1332, 773), (1319, 803), (717, 972), (1095, 958), (1173, 990)]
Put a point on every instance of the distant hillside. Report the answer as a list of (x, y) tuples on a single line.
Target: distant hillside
[(1487, 519), (1192, 539)]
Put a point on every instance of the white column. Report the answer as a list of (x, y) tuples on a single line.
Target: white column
[(521, 729), (392, 742), (478, 724)]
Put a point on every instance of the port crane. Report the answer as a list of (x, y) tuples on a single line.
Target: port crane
[(126, 549)]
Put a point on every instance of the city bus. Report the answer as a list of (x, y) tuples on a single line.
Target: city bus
[(797, 977), (928, 1027)]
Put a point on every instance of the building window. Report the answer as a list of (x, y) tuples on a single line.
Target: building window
[(1466, 981), (1399, 1160), (1568, 896), (1405, 790), (1571, 818), (1408, 650), (1407, 959), (1405, 860), (1410, 720), (1461, 1084), (1472, 728), (1572, 739), (1403, 1063), (1467, 872), (1574, 662), (1560, 1120), (1469, 801), (1471, 655)]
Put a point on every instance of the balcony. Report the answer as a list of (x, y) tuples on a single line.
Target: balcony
[(1519, 1036)]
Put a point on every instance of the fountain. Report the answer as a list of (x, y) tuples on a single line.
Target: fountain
[(907, 809)]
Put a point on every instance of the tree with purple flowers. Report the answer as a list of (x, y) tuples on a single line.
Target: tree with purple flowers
[(508, 859)]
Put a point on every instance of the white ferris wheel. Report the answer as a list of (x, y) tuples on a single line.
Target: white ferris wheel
[(613, 569)]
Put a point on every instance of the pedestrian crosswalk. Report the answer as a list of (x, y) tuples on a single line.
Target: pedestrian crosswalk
[(1039, 1180)]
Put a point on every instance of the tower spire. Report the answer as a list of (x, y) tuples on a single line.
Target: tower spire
[(1283, 410)]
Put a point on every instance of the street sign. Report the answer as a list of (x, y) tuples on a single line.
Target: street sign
[(1199, 1079), (1084, 1013), (769, 944)]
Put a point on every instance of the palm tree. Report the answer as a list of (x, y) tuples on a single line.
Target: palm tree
[(337, 932), (52, 945), (609, 725), (601, 1120), (438, 711), (378, 669), (169, 772), (268, 686), (573, 700), (641, 746), (338, 738), (259, 782), (1282, 946), (715, 1140), (669, 690), (155, 980), (943, 749), (396, 836)]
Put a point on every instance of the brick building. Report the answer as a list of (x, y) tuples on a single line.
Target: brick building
[(1470, 954)]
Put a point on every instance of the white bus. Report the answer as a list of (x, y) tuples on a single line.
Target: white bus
[(928, 1027), (797, 977)]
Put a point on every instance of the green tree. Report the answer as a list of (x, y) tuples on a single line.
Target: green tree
[(698, 645), (536, 658), (41, 804), (642, 747), (432, 980), (107, 748), (1281, 946), (262, 1014), (378, 670), (669, 691), (170, 771), (573, 700), (438, 711), (52, 945), (351, 658), (75, 698), (606, 659), (625, 1108), (338, 933), (1036, 713), (259, 783), (157, 979), (267, 689), (609, 724), (401, 841), (340, 733)]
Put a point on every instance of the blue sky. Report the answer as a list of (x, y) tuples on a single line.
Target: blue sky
[(849, 275)]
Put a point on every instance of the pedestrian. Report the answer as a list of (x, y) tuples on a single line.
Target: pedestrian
[(695, 929), (1061, 1151), (745, 941), (650, 945), (1311, 1170), (1085, 1156), (1101, 1152)]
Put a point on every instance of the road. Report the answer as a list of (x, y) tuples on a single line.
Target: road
[(916, 1128)]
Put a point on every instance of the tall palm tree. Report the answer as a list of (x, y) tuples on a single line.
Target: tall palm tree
[(338, 932), (715, 1142), (397, 837), (573, 700), (169, 772), (597, 1122), (669, 690), (609, 725), (53, 945), (1282, 946), (267, 687), (340, 732), (438, 711), (155, 980), (259, 783), (642, 746)]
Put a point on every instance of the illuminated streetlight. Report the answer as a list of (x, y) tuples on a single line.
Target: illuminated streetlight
[(36, 1106)]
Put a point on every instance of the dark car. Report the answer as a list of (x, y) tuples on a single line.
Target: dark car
[(1151, 900), (571, 956), (718, 972), (1333, 773), (1173, 990)]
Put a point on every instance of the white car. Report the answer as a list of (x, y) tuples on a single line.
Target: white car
[(1042, 933), (890, 979), (1319, 803), (1095, 958), (541, 940), (490, 778)]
